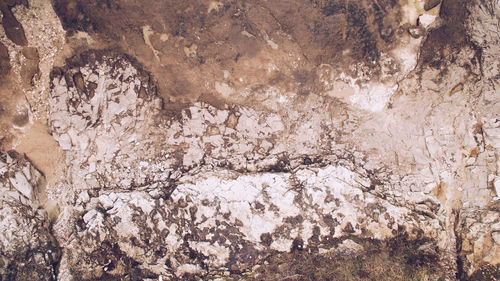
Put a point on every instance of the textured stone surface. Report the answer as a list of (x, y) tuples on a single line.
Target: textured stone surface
[(267, 141), (28, 251)]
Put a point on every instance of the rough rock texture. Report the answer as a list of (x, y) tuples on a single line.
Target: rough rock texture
[(28, 249), (25, 65), (257, 43), (306, 140)]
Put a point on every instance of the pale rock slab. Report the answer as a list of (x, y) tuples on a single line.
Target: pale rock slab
[(28, 250)]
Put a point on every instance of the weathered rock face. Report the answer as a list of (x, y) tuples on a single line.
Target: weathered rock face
[(13, 28), (126, 158), (28, 249), (30, 39), (99, 113), (260, 43), (4, 61), (290, 141)]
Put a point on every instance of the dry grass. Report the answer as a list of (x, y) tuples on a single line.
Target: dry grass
[(397, 259)]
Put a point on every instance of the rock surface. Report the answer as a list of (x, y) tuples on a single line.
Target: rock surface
[(349, 140), (29, 251)]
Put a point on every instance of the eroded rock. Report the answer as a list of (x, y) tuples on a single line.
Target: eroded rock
[(28, 251), (277, 185), (4, 61), (30, 66), (13, 28), (219, 221), (316, 140)]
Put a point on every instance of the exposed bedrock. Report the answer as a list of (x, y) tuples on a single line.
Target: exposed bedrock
[(263, 140)]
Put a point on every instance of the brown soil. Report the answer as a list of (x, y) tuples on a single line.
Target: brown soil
[(43, 151), (190, 45)]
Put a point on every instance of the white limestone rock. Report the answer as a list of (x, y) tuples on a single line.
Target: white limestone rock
[(283, 180), (28, 251), (215, 189)]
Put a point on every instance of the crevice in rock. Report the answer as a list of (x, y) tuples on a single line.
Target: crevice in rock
[(461, 275)]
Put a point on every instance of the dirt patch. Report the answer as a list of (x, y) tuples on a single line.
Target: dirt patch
[(43, 151), (12, 109), (194, 47), (4, 61), (444, 43), (396, 259), (487, 272)]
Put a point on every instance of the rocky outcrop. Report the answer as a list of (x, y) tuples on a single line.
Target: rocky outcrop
[(28, 249), (4, 61), (211, 190), (308, 141), (478, 226), (13, 28)]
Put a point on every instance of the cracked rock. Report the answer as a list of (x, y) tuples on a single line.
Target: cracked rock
[(28, 251), (175, 214), (255, 140)]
